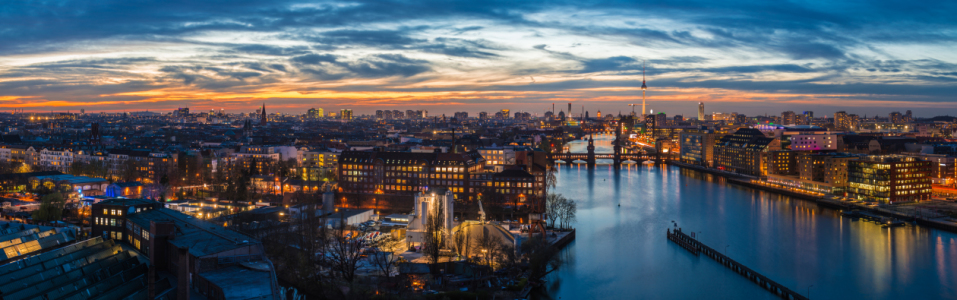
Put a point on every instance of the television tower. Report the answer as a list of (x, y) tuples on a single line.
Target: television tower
[(643, 88)]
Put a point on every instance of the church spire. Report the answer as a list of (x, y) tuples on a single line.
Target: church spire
[(263, 115)]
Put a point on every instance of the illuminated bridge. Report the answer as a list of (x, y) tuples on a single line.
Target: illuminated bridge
[(591, 157)]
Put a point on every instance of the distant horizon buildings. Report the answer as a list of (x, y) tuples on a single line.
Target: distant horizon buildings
[(315, 113), (801, 116)]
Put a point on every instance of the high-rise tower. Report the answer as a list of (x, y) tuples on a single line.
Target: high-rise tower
[(643, 88), (700, 111)]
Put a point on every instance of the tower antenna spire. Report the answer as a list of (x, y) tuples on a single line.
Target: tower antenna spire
[(643, 88)]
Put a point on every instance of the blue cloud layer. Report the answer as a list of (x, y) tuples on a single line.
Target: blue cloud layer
[(815, 48)]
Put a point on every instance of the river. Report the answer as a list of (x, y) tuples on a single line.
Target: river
[(621, 252)]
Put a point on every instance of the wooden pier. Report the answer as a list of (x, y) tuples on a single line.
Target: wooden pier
[(698, 248)]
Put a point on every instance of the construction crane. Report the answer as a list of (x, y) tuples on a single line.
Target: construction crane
[(633, 108)]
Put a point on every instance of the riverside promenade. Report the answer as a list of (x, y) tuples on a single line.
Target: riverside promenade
[(933, 220)]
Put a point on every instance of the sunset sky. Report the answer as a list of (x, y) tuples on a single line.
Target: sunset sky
[(869, 57)]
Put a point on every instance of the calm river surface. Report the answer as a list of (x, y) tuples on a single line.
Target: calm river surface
[(622, 253)]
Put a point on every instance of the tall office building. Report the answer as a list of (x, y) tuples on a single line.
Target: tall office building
[(181, 112), (700, 111), (345, 114), (740, 119), (841, 122), (853, 121), (788, 118), (896, 117), (505, 113), (661, 119)]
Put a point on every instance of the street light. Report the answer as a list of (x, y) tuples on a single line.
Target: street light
[(809, 291)]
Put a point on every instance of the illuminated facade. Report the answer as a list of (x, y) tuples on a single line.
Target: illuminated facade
[(841, 121), (744, 152), (782, 163), (813, 142), (345, 114), (811, 166), (789, 118), (889, 179), (835, 171), (389, 180), (315, 113), (697, 147)]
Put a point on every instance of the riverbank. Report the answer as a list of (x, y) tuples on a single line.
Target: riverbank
[(941, 223)]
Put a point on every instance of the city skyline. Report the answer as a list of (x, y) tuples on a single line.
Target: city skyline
[(397, 149), (735, 57)]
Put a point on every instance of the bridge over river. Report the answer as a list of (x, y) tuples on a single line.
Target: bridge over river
[(591, 158)]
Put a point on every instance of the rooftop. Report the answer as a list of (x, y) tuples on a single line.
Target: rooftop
[(347, 213), (125, 202), (201, 237), (241, 281)]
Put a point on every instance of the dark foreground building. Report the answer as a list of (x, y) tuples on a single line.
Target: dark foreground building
[(141, 250)]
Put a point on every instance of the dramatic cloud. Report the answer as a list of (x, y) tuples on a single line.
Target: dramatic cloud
[(749, 57)]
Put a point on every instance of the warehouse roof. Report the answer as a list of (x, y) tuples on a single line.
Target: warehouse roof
[(201, 237)]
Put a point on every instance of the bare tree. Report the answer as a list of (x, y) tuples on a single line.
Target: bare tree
[(129, 170), (298, 247), (507, 257), (490, 246), (567, 209), (385, 258), (552, 203), (434, 231), (345, 251), (551, 179)]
